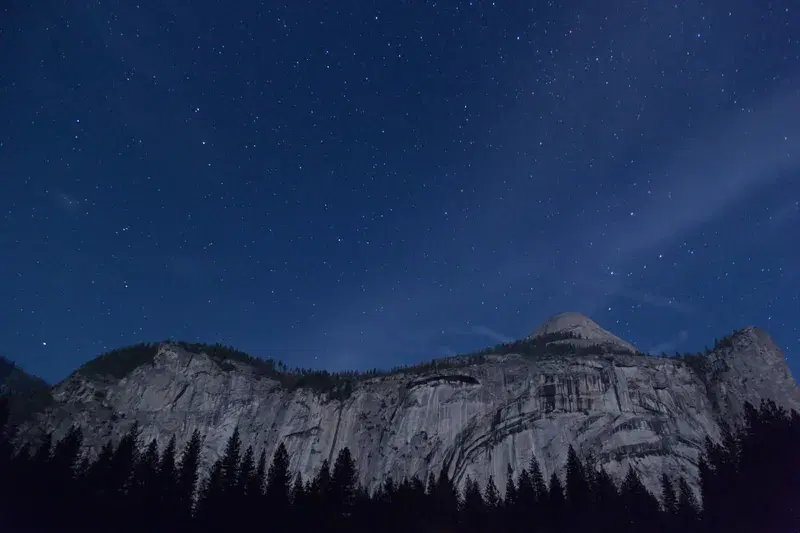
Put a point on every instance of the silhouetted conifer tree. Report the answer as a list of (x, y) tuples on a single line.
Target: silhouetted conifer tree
[(36, 485), (121, 475), (525, 493), (556, 504), (641, 509), (186, 481), (669, 504), (98, 508), (511, 488), (492, 495), (6, 450), (343, 486), (255, 490), (17, 485), (318, 499), (247, 471), (229, 468), (538, 481), (278, 490), (686, 509), (211, 504), (145, 495), (577, 492), (493, 506), (521, 513), (300, 508), (605, 503), (63, 480), (445, 502), (473, 512), (166, 487)]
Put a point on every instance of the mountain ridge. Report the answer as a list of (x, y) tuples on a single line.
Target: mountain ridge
[(473, 415)]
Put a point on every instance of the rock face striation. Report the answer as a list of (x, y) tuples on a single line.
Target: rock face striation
[(616, 405)]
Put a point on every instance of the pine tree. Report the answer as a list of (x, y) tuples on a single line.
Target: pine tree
[(63, 467), (244, 478), (98, 508), (605, 502), (526, 496), (42, 455), (640, 507), (123, 461), (344, 481), (211, 504), (318, 505), (556, 503), (186, 480), (577, 491), (299, 510), (279, 488), (686, 509), (669, 504), (255, 490), (40, 487), (511, 488), (6, 449), (145, 489), (229, 468), (492, 495), (121, 474), (539, 484), (166, 487), (668, 496), (473, 508), (298, 489), (445, 501)]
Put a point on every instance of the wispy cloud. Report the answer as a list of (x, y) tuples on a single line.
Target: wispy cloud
[(672, 344), (484, 331), (64, 201), (693, 184), (656, 300)]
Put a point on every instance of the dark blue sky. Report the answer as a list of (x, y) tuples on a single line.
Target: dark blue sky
[(354, 184)]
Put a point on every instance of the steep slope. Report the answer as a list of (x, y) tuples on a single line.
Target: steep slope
[(29, 394), (582, 327), (474, 419)]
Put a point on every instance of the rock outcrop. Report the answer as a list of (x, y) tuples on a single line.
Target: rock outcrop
[(474, 419), (587, 331)]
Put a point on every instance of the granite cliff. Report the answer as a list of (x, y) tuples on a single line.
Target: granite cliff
[(570, 382)]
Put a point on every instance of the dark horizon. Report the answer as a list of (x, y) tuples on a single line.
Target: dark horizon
[(262, 355)]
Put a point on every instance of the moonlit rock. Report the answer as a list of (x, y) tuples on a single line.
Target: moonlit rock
[(621, 409), (582, 326)]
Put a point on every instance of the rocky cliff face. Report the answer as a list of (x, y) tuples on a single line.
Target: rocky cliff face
[(620, 407)]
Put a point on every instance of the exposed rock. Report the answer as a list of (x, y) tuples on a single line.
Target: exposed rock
[(621, 408), (583, 327)]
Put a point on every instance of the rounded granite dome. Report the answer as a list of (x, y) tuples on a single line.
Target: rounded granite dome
[(582, 326)]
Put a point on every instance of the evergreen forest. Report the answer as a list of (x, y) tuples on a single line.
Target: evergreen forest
[(749, 483)]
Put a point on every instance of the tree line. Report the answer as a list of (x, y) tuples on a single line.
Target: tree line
[(120, 362), (749, 483)]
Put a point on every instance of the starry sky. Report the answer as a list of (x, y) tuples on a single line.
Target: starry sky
[(358, 184)]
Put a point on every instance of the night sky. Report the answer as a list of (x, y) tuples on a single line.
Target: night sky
[(358, 184)]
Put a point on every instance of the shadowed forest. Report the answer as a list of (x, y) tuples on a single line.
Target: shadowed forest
[(750, 482)]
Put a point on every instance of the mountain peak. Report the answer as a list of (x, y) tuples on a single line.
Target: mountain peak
[(582, 326)]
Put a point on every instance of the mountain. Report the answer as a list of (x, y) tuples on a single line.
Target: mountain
[(571, 382), (584, 328), (29, 394)]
